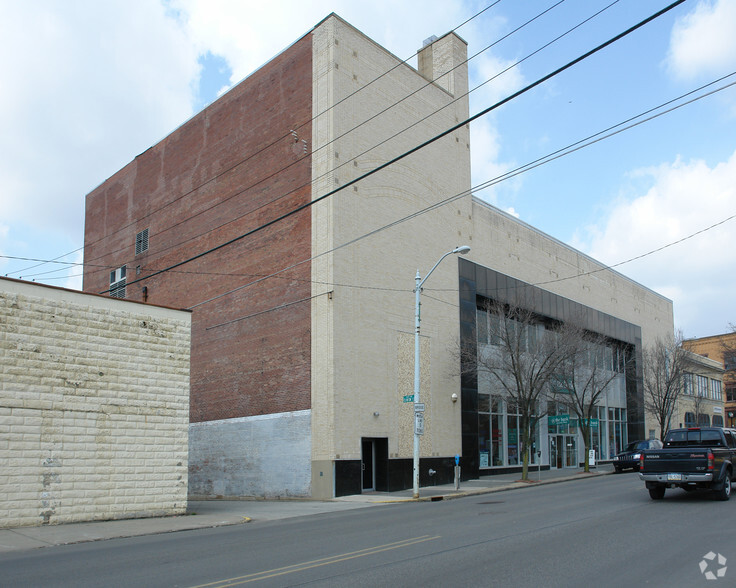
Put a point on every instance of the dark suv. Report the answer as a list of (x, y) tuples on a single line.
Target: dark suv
[(629, 457)]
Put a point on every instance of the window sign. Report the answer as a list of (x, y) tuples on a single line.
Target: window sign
[(558, 419)]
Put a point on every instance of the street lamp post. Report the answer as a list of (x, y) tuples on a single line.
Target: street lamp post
[(417, 319)]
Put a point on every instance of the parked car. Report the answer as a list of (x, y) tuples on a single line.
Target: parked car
[(692, 459), (628, 459)]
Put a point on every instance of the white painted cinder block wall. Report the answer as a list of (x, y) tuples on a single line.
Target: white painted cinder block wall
[(94, 407)]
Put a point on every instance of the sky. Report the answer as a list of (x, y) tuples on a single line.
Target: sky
[(88, 85)]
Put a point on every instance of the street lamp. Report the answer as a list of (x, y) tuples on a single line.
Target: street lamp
[(417, 305)]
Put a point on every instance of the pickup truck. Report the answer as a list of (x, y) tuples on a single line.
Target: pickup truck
[(691, 459)]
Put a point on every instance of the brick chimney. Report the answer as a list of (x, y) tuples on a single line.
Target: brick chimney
[(443, 61)]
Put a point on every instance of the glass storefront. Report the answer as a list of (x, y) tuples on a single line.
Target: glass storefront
[(559, 439), (499, 433)]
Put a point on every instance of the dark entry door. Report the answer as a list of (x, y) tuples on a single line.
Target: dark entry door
[(368, 464)]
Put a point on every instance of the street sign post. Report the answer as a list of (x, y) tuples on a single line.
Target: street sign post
[(419, 423)]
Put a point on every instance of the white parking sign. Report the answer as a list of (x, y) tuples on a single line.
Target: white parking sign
[(419, 423)]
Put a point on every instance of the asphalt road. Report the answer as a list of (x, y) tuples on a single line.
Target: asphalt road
[(603, 531)]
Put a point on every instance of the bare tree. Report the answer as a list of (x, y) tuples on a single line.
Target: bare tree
[(522, 358), (592, 363), (664, 367)]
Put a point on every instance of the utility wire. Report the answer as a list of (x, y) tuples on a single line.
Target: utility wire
[(521, 283), (591, 272), (647, 254), (548, 158), (274, 142), (418, 147), (333, 170), (522, 169), (416, 123), (600, 136)]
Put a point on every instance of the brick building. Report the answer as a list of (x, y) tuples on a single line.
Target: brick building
[(302, 326), (721, 349), (94, 403)]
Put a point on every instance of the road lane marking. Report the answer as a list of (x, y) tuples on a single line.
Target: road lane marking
[(317, 563)]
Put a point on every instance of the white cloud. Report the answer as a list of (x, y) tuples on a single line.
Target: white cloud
[(683, 198), (486, 165), (703, 43), (485, 141), (74, 281), (88, 85), (91, 84), (248, 34)]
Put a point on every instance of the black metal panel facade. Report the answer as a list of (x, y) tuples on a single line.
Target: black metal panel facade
[(481, 282)]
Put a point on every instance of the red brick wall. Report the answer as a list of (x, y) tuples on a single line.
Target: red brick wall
[(225, 154)]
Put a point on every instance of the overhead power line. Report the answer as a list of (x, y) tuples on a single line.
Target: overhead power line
[(417, 148), (275, 173), (536, 284), (297, 126), (590, 140)]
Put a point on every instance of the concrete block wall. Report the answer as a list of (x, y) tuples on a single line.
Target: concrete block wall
[(94, 405), (265, 456)]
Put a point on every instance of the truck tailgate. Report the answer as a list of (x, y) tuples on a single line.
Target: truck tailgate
[(676, 460)]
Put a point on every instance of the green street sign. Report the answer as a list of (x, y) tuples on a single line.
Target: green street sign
[(409, 398)]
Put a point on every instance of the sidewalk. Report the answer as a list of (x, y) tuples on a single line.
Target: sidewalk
[(217, 513)]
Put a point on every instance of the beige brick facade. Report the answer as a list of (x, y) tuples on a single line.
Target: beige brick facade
[(94, 404)]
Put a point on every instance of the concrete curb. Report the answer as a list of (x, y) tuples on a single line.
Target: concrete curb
[(507, 487), (230, 513)]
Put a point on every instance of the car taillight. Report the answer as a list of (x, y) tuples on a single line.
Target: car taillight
[(641, 461), (711, 458)]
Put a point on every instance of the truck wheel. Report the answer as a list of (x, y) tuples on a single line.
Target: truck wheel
[(657, 493), (725, 492)]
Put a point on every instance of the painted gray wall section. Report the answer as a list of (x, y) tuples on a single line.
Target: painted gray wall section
[(265, 456)]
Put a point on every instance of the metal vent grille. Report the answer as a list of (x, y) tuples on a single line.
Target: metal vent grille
[(117, 290), (141, 242)]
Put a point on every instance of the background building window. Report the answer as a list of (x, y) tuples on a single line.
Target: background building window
[(717, 420), (117, 283), (687, 384), (702, 385)]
